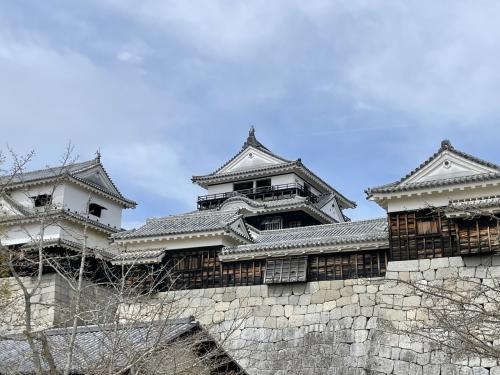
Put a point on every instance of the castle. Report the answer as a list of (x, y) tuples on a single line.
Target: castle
[(272, 237)]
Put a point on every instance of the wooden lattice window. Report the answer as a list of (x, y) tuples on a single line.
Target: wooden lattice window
[(286, 270), (428, 226)]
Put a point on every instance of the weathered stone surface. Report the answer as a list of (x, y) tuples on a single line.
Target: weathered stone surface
[(337, 327)]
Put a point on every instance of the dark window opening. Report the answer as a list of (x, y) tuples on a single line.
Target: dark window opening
[(264, 183), (272, 223), (238, 186), (294, 224), (428, 226), (42, 200), (95, 209)]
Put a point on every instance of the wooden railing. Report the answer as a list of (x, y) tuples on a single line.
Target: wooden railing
[(273, 192)]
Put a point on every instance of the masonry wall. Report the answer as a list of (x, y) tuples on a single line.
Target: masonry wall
[(334, 327), (52, 306)]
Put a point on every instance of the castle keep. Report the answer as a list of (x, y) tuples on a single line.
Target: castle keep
[(271, 248)]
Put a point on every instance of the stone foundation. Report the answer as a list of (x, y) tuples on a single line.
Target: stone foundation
[(334, 327)]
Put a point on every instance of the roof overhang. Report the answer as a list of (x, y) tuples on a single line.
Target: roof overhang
[(291, 167), (283, 250), (383, 196)]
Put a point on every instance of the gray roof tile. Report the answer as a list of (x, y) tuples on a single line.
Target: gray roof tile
[(75, 170), (316, 235), (445, 146), (93, 344), (200, 221)]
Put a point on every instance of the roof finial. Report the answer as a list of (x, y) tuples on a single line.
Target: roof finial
[(98, 155), (446, 144), (252, 140)]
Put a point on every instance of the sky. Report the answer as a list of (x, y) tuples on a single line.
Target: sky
[(362, 90)]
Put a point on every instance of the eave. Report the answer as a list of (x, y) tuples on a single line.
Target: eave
[(58, 215), (292, 167), (126, 203), (283, 250)]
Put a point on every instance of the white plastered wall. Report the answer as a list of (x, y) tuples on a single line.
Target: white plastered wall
[(438, 198)]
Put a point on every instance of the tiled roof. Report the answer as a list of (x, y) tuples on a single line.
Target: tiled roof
[(475, 203), (398, 187), (291, 166), (316, 235), (445, 146), (56, 214), (250, 142), (74, 170), (199, 221), (94, 345)]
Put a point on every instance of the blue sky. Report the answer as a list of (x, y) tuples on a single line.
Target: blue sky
[(362, 91)]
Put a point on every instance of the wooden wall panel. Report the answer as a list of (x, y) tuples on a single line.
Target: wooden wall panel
[(454, 236)]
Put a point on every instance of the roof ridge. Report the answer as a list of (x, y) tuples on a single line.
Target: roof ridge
[(321, 226), (447, 146), (251, 141), (194, 213)]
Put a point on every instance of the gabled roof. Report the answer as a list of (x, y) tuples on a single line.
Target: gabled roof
[(278, 165), (485, 171), (194, 222), (251, 142), (279, 205), (90, 173), (94, 345), (342, 236)]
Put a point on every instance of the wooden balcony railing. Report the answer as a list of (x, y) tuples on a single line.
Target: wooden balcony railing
[(264, 193)]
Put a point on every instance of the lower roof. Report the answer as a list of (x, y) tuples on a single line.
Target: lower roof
[(339, 236)]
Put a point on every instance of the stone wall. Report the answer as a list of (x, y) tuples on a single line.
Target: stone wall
[(52, 305), (335, 327)]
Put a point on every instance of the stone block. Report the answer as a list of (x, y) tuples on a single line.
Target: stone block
[(446, 273), (358, 349), (222, 306), (277, 310), (298, 288), (347, 291), (367, 311), (424, 264), (305, 299), (488, 362), (382, 365), (281, 322), (401, 368), (296, 320), (480, 371), (270, 322), (310, 319), (330, 305), (262, 310), (439, 263), (332, 295), (456, 262), (359, 322), (431, 369), (359, 288), (360, 335), (318, 297), (404, 265), (288, 310), (351, 310), (392, 275), (385, 351), (429, 275), (372, 289), (495, 370), (412, 301), (337, 284)]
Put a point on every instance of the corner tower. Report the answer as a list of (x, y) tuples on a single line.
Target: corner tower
[(447, 206), (271, 191)]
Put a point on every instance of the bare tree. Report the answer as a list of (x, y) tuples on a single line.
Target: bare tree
[(112, 301), (460, 314)]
